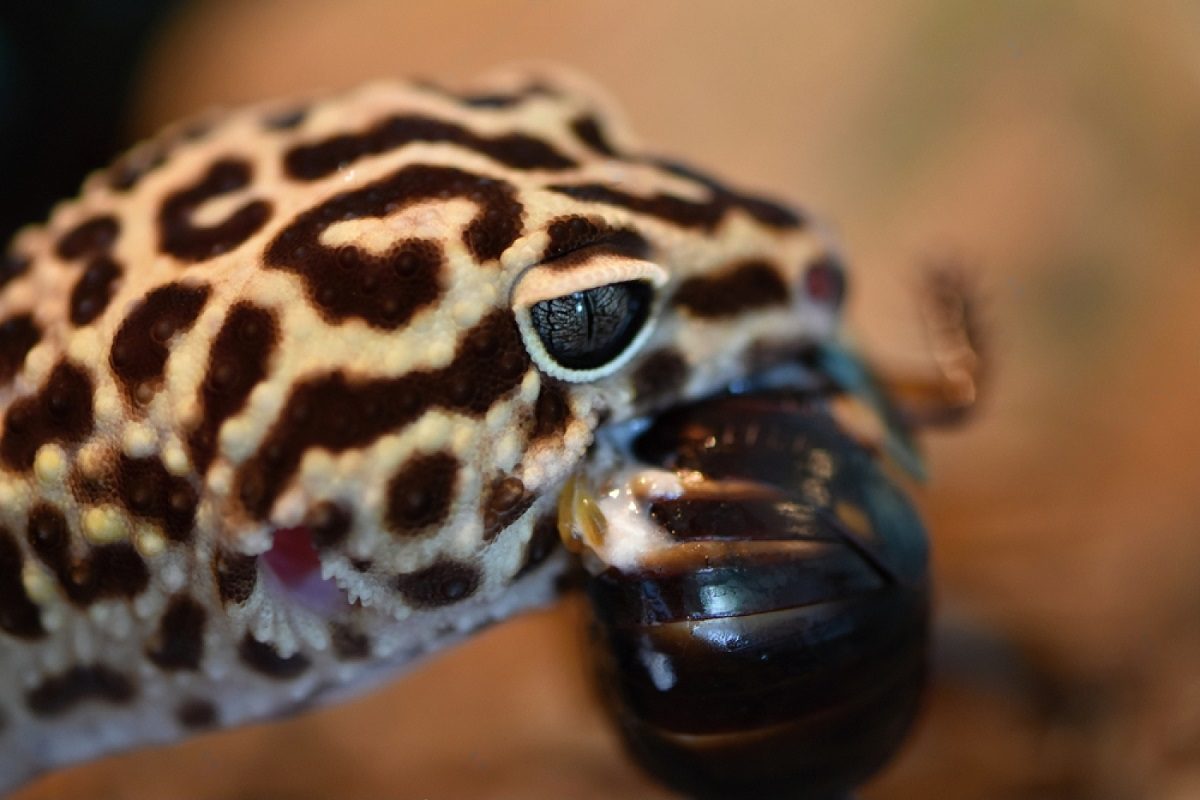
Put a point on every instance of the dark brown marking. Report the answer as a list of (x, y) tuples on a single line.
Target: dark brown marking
[(329, 524), (105, 571), (542, 543), (92, 237), (238, 360), (552, 413), (60, 693), (420, 492), (262, 657), (743, 287), (660, 374), (687, 213), (130, 168), (386, 290), (236, 576), (339, 413), (60, 412), (591, 132), (149, 491), (187, 242), (179, 643), (12, 266), (93, 290), (18, 335), (768, 212), (310, 162), (503, 504), (349, 644), (196, 714), (491, 100), (574, 239), (140, 347), (441, 584), (286, 120), (19, 616)]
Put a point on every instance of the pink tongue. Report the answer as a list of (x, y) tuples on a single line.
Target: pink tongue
[(293, 560), (292, 557)]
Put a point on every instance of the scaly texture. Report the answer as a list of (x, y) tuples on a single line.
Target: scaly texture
[(276, 420)]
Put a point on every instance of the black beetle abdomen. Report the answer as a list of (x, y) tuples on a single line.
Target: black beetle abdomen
[(778, 648)]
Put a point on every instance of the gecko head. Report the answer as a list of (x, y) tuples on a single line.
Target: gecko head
[(554, 281)]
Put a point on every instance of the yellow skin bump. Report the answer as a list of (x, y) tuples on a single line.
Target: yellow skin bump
[(393, 524)]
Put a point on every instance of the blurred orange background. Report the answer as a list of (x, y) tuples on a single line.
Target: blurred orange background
[(1054, 148)]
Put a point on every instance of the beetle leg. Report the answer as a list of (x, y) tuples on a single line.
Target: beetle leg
[(950, 310)]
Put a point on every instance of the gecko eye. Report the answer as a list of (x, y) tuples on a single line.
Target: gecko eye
[(590, 329)]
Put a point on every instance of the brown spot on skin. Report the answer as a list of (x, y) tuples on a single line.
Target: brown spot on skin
[(768, 212), (542, 543), (12, 266), (130, 168), (348, 643), (236, 576), (686, 213), (59, 694), (420, 492), (493, 100), (179, 643), (140, 347), (286, 120), (238, 360), (93, 236), (745, 286), (441, 584), (506, 500), (312, 161), (187, 242), (385, 291), (660, 374), (337, 413), (18, 335), (196, 714), (590, 131), (329, 524), (93, 290), (265, 659), (552, 413), (106, 571), (575, 239), (149, 491), (60, 412), (706, 215), (19, 616)]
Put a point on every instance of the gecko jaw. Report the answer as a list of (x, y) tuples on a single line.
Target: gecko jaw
[(295, 566)]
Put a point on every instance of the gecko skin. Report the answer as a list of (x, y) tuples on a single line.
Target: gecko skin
[(287, 397)]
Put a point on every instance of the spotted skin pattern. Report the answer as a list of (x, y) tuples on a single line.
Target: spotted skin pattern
[(271, 426)]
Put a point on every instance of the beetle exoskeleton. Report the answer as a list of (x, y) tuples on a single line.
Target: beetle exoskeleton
[(765, 632)]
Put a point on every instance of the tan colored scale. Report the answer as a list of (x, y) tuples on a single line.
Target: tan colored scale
[(155, 596)]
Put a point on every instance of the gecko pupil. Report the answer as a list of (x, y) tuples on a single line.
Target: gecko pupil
[(587, 329)]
